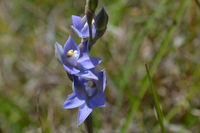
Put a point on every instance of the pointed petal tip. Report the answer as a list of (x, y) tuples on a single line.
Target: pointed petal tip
[(70, 38), (83, 113), (77, 31), (58, 51), (88, 75), (72, 101), (63, 106), (96, 78), (56, 44), (70, 44), (78, 123)]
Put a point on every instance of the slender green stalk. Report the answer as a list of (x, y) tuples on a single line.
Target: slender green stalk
[(90, 32), (88, 124), (173, 111), (90, 8), (156, 101)]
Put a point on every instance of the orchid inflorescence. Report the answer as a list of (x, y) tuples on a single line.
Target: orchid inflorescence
[(88, 83)]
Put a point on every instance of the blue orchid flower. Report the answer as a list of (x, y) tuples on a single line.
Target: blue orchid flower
[(76, 60), (87, 95), (81, 28)]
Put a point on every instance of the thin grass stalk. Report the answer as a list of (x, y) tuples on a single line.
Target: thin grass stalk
[(193, 90), (156, 101)]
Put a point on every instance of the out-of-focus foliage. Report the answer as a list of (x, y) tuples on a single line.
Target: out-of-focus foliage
[(161, 33)]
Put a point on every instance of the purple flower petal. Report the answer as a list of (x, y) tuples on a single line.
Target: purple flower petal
[(87, 74), (102, 79), (97, 100), (78, 88), (72, 61), (85, 31), (81, 28), (83, 112), (77, 22), (89, 62), (78, 32), (85, 60), (70, 69), (95, 60), (70, 45), (72, 102), (58, 51), (84, 48)]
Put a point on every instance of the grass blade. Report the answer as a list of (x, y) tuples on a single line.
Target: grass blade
[(156, 101)]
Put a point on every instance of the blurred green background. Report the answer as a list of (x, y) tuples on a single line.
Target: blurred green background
[(164, 34)]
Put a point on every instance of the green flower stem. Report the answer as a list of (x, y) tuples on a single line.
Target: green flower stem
[(88, 124)]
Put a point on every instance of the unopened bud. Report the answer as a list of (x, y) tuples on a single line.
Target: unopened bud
[(101, 20)]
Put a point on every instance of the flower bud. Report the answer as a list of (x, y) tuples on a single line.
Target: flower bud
[(101, 20)]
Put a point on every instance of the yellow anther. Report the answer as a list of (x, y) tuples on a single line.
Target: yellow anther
[(70, 52), (91, 83)]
